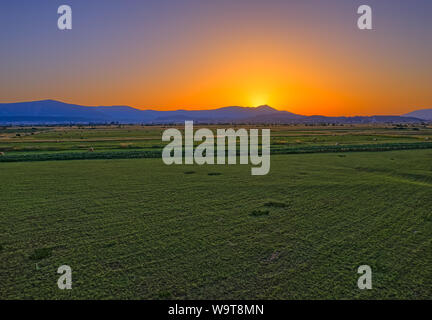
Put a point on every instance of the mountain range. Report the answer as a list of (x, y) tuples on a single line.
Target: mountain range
[(425, 114), (56, 112)]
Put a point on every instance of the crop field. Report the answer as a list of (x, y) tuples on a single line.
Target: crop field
[(132, 227)]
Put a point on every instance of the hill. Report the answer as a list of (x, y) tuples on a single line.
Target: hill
[(56, 112), (425, 114)]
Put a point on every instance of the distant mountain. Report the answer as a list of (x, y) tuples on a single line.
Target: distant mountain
[(281, 119), (55, 112), (425, 114)]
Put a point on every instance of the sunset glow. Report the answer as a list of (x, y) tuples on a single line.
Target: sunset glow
[(208, 54)]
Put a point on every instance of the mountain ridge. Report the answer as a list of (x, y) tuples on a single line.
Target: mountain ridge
[(422, 114), (57, 112)]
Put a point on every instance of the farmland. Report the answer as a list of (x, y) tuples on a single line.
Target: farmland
[(133, 228)]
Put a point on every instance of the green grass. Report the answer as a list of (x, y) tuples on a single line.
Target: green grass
[(157, 152), (41, 253), (138, 229), (259, 213), (275, 204), (114, 138)]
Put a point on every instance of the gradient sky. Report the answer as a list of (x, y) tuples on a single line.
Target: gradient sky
[(302, 56)]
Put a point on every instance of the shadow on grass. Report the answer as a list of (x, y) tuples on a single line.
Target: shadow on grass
[(42, 253), (275, 204), (259, 213), (214, 173)]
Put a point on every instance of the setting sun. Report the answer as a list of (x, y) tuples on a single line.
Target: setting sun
[(258, 100)]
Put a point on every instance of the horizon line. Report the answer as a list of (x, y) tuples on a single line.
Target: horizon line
[(208, 108)]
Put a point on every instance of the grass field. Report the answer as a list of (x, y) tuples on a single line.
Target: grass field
[(138, 229), (114, 138)]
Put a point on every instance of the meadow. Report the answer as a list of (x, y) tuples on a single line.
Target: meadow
[(134, 228), (121, 141)]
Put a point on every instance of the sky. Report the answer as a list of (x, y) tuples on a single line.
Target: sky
[(302, 56)]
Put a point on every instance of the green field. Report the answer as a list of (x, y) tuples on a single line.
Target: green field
[(138, 229)]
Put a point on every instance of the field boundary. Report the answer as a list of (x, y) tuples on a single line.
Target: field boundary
[(133, 154)]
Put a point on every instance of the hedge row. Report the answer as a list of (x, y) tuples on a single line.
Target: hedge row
[(158, 153), (354, 148), (80, 156)]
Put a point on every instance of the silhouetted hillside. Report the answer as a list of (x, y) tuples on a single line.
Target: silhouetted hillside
[(55, 112), (425, 114)]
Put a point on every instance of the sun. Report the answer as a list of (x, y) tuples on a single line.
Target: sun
[(258, 100)]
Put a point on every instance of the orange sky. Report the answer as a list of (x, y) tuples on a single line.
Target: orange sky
[(294, 56)]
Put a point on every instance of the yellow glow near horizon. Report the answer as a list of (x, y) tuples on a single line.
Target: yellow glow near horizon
[(258, 100)]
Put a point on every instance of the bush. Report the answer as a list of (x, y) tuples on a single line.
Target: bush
[(81, 156), (275, 204), (259, 213), (354, 148), (42, 253)]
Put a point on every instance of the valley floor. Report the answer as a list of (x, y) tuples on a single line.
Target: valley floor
[(138, 229)]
